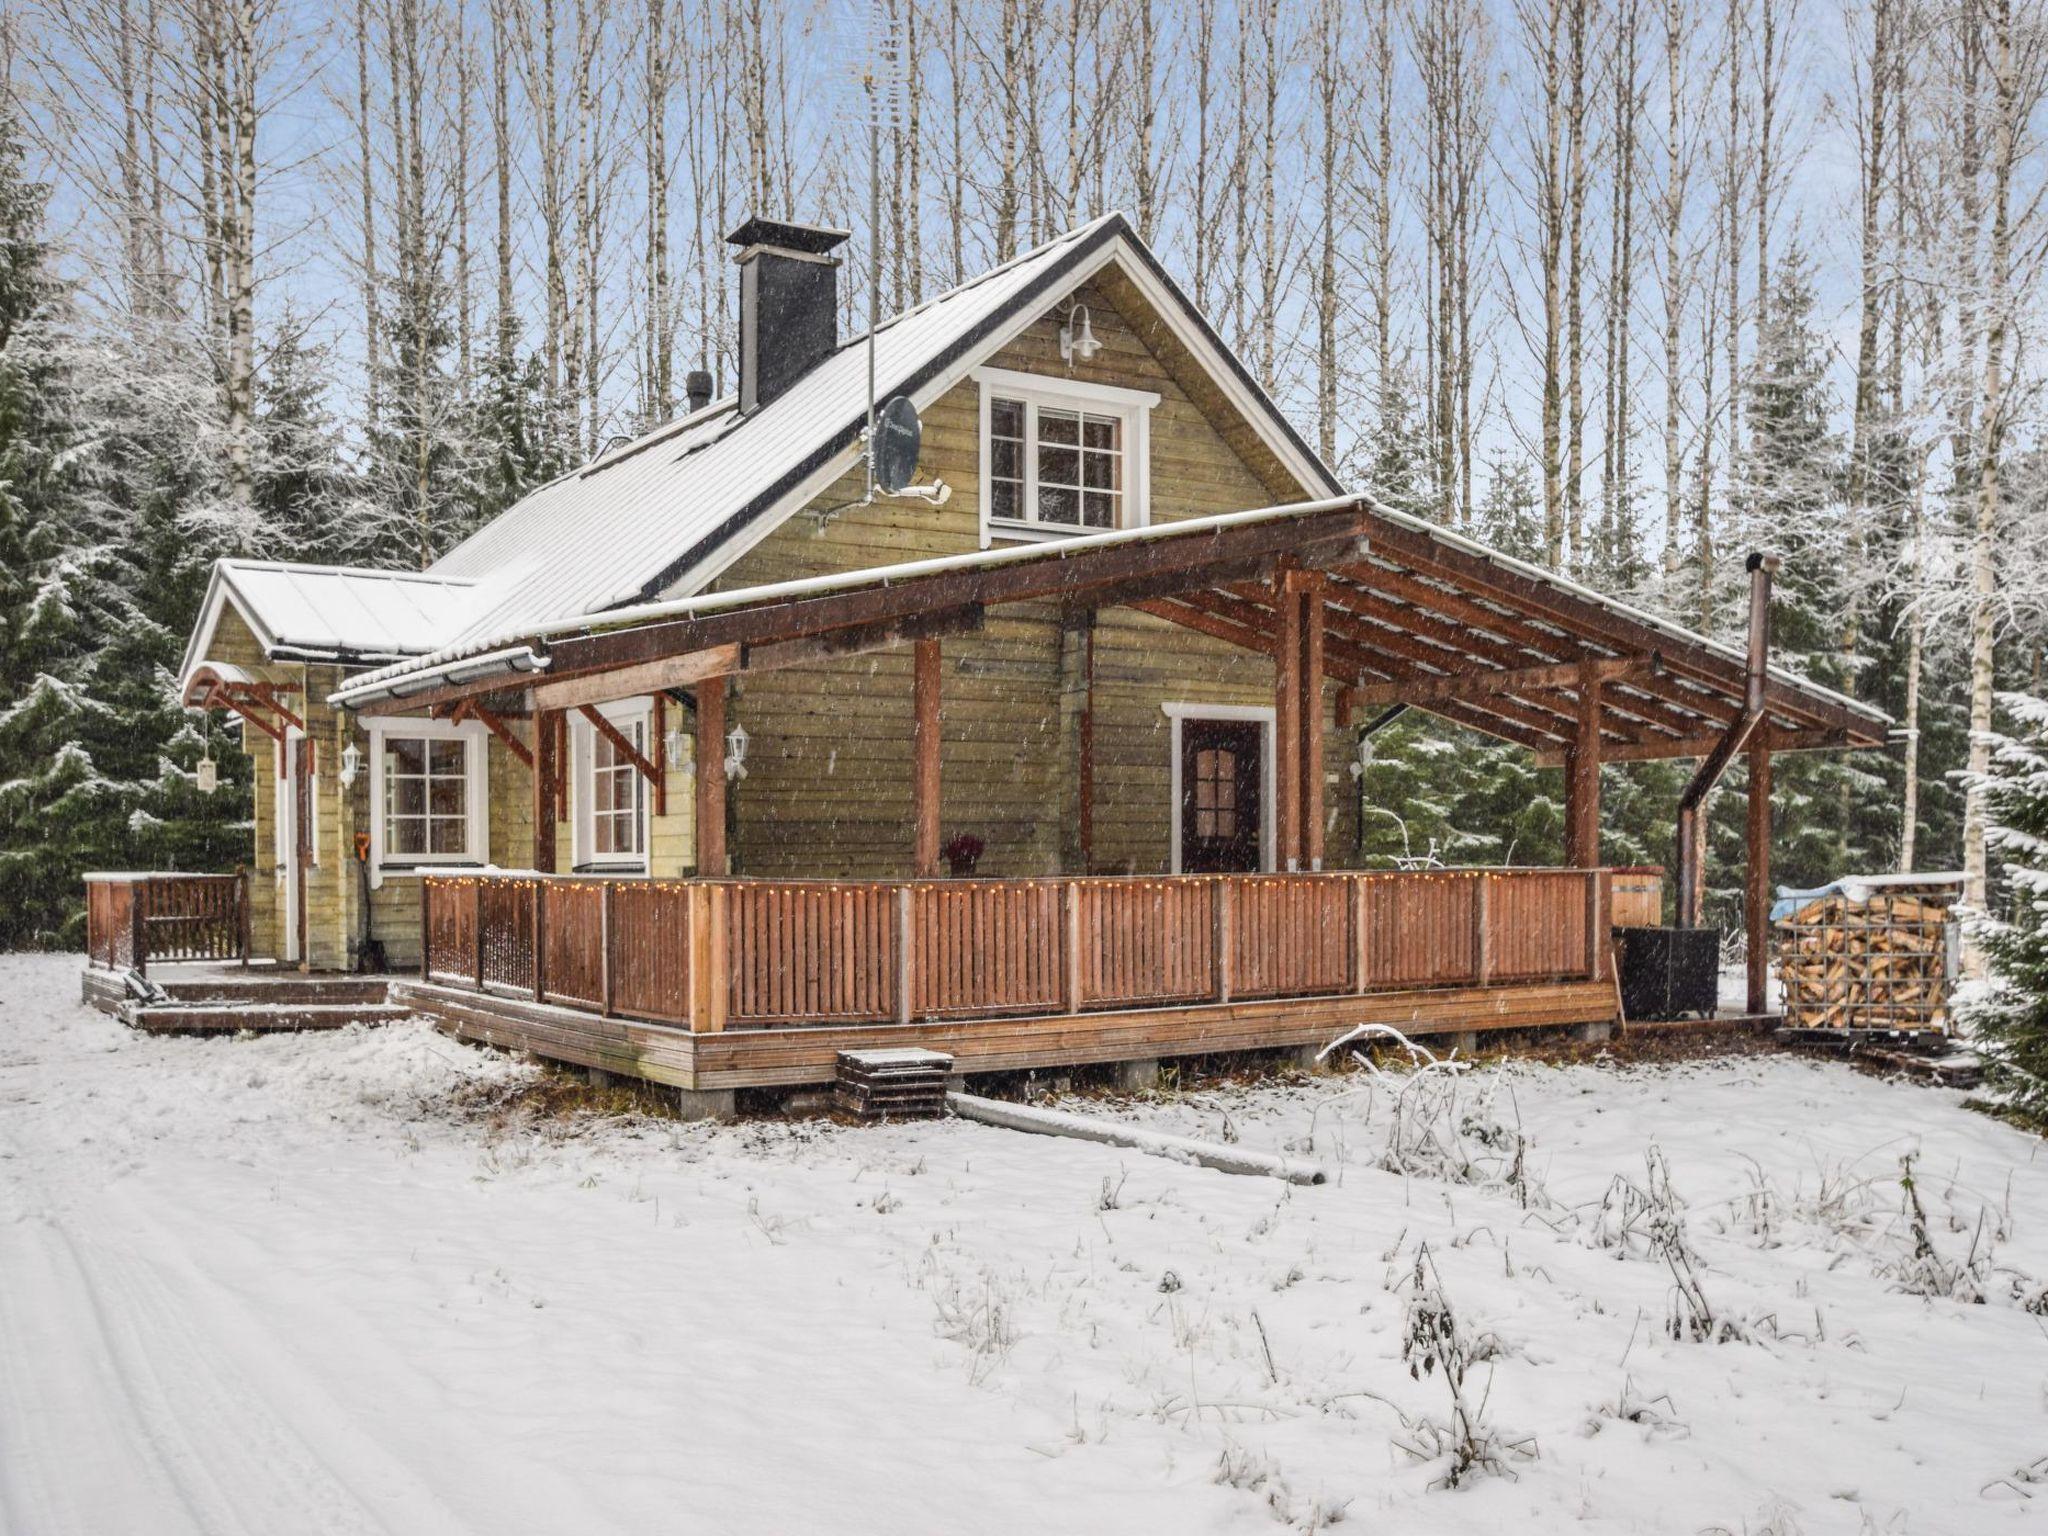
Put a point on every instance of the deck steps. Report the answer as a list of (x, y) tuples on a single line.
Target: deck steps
[(259, 1018), (267, 990)]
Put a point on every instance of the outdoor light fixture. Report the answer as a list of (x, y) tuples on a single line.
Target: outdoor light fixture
[(1078, 341), (1364, 759), (208, 775), (676, 743), (351, 764), (736, 752)]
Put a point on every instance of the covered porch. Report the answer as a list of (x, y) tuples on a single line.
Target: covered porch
[(1359, 613)]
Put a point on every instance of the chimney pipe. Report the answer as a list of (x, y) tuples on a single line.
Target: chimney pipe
[(697, 389), (789, 304)]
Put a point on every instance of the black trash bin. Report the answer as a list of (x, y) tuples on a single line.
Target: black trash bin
[(1668, 973)]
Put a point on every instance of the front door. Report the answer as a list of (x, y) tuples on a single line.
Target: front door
[(1220, 808)]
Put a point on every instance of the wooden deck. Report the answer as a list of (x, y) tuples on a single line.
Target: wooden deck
[(789, 1057), (212, 999), (719, 984)]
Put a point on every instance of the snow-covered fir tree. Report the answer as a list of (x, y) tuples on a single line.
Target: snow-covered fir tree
[(2008, 1010)]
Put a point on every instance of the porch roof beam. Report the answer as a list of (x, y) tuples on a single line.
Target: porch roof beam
[(1220, 617), (620, 744), (1100, 575), (1588, 620), (1485, 684)]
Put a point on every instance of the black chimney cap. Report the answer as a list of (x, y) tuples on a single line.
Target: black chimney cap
[(810, 239)]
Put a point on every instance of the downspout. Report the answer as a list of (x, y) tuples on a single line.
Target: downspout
[(1761, 568)]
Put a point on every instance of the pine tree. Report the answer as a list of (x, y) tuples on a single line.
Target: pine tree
[(2008, 1012), (101, 565)]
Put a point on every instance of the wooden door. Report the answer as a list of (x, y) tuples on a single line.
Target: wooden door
[(1221, 806)]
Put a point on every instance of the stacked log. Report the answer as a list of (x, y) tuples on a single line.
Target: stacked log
[(903, 1084), (1877, 964)]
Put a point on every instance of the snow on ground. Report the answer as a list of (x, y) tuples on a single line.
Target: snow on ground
[(287, 1284)]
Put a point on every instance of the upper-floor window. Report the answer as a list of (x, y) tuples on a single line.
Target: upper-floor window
[(1059, 456)]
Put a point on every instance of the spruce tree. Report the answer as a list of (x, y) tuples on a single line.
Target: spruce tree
[(2008, 1012)]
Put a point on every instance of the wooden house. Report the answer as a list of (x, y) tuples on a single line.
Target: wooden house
[(705, 761)]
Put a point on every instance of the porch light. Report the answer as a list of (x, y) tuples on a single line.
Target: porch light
[(208, 775), (736, 752), (351, 764), (676, 742), (1078, 341)]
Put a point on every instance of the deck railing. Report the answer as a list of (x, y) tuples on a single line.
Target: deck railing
[(713, 954), (132, 919)]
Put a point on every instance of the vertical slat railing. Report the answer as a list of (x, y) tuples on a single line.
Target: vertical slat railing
[(754, 954)]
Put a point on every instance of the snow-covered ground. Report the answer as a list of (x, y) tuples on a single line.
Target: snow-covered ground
[(299, 1284)]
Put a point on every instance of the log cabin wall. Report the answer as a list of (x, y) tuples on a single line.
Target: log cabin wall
[(828, 785)]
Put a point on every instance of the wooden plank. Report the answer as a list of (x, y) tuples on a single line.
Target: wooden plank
[(1308, 713), (1287, 696), (684, 671), (547, 767), (1582, 797)]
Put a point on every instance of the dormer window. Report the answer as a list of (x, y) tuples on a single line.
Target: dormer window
[(1060, 457)]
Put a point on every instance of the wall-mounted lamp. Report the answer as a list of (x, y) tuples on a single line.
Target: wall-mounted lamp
[(736, 752), (676, 743), (351, 764), (1078, 340)]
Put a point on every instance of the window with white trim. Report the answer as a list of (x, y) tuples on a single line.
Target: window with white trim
[(1059, 456), (429, 799), (611, 793)]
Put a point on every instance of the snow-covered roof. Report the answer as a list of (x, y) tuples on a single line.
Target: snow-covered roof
[(665, 514), (332, 612)]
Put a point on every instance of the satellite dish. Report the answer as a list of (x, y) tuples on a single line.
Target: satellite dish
[(898, 438)]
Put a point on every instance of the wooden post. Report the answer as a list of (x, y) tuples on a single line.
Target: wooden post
[(1361, 970), (604, 947), (1482, 951), (1287, 727), (1309, 712), (924, 782), (906, 945), (1070, 914), (1086, 768), (242, 919), (546, 765), (1221, 937), (138, 926), (540, 940), (707, 958), (1582, 774), (476, 930), (711, 856), (657, 753), (1757, 893), (1598, 884), (429, 886)]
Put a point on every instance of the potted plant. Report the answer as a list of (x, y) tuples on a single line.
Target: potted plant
[(963, 853)]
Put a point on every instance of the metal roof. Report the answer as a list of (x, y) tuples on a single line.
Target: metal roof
[(332, 612), (632, 523)]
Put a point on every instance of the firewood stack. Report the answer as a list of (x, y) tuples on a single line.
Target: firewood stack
[(903, 1084), (1881, 963)]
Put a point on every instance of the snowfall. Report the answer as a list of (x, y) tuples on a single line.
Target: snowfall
[(374, 1280)]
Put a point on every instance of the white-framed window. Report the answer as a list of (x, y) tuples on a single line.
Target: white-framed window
[(609, 795), (1059, 456), (429, 794)]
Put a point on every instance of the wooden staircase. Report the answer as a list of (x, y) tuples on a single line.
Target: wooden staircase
[(232, 1002)]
